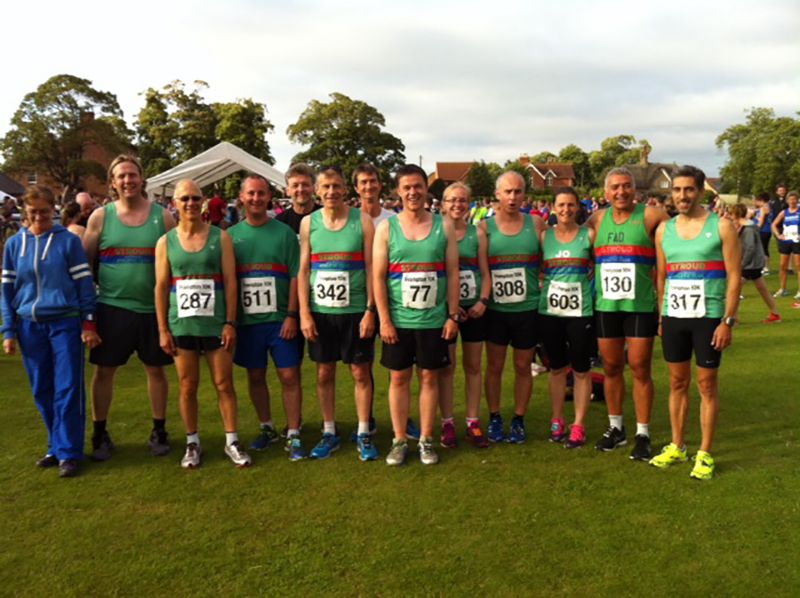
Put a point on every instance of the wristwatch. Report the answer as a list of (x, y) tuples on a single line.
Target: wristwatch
[(456, 317), (729, 321), (484, 300)]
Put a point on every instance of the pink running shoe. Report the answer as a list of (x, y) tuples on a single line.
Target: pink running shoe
[(558, 430), (475, 436), (577, 437), (448, 438)]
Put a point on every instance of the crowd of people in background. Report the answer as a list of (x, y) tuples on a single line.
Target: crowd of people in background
[(572, 278)]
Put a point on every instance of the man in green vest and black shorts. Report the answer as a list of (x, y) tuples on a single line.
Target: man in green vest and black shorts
[(625, 306), (122, 237), (337, 311), (416, 289), (699, 279)]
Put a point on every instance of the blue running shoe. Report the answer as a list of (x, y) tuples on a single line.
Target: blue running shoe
[(495, 430), (412, 431), (516, 435), (295, 449), (324, 448), (266, 436), (366, 450), (373, 429)]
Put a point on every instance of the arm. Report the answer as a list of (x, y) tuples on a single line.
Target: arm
[(307, 325), (380, 267), (775, 224), (732, 254), (290, 323), (367, 326), (9, 316), (81, 275), (163, 283), (91, 238), (661, 273), (450, 329), (231, 286), (477, 310), (653, 217), (169, 221), (762, 218)]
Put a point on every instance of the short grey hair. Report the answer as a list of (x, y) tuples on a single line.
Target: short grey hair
[(618, 171), (509, 173)]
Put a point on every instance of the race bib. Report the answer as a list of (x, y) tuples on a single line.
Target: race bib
[(791, 233), (195, 297), (618, 280), (258, 295), (686, 299), (419, 289), (332, 289), (509, 286), (468, 288), (565, 299)]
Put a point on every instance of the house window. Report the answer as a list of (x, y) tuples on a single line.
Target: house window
[(548, 181), (664, 184), (32, 179)]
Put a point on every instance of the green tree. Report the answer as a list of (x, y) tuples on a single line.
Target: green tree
[(543, 157), (762, 152), (244, 123), (481, 179), (615, 151), (579, 159), (156, 133), (524, 171), (55, 126), (346, 132)]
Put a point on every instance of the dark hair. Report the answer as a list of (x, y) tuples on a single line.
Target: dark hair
[(693, 172), (566, 191), (763, 197), (739, 210), (258, 177), (365, 168), (331, 170), (69, 211), (35, 192), (300, 170), (409, 170)]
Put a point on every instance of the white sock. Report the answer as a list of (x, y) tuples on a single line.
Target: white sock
[(642, 429), (292, 432), (266, 424), (231, 437), (472, 420), (329, 427), (363, 427), (190, 438), (616, 421), (447, 420)]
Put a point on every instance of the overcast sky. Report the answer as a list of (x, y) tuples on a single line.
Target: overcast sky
[(456, 81)]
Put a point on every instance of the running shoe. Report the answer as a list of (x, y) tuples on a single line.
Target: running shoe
[(397, 454), (285, 431), (775, 318), (797, 296), (669, 455), (102, 447), (427, 455), (373, 429), (516, 433), (295, 448), (191, 460), (475, 436), (537, 369), (68, 468), (703, 466), (558, 430), (266, 436), (412, 430), (780, 293), (577, 437), (47, 461), (236, 454), (158, 443), (641, 448), (324, 448), (496, 433), (366, 450), (448, 437), (612, 438), (796, 305)]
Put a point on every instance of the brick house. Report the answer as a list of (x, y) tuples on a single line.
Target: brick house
[(549, 175)]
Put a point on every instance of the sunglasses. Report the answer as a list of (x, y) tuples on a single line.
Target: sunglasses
[(194, 198)]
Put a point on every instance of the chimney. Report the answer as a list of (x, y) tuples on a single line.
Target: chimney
[(524, 159)]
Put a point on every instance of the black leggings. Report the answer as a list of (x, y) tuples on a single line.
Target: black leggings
[(765, 237)]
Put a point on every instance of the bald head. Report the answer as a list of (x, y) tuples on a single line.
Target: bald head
[(187, 188), (86, 202)]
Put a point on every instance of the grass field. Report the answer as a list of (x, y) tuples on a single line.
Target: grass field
[(524, 520)]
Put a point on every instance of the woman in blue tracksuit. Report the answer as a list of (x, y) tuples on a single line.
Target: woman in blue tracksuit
[(48, 304)]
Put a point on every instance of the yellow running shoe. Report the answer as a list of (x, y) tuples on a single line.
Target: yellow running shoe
[(703, 466), (669, 455)]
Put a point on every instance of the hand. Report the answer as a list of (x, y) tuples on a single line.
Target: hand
[(781, 238), (289, 329), (90, 338), (477, 310), (9, 346), (450, 330), (228, 337), (389, 333), (722, 338), (167, 343), (366, 329), (660, 329), (308, 327)]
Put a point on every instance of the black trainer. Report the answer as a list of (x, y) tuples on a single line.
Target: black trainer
[(613, 438), (102, 447), (47, 461), (68, 468), (641, 448), (159, 443)]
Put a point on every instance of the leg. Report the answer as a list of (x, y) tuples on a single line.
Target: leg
[(784, 270), (428, 399), (446, 377), (708, 387), (558, 389), (220, 362), (158, 389), (640, 360), (523, 380), (326, 390), (37, 357), (362, 378), (766, 296), (796, 260), (187, 368), (69, 416), (292, 395), (471, 359), (399, 398), (102, 387), (259, 393), (582, 395), (495, 362), (612, 352), (680, 375)]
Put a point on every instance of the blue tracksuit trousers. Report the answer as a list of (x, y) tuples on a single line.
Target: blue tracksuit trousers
[(52, 352)]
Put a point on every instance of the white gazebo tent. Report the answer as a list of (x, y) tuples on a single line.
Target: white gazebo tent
[(212, 165)]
